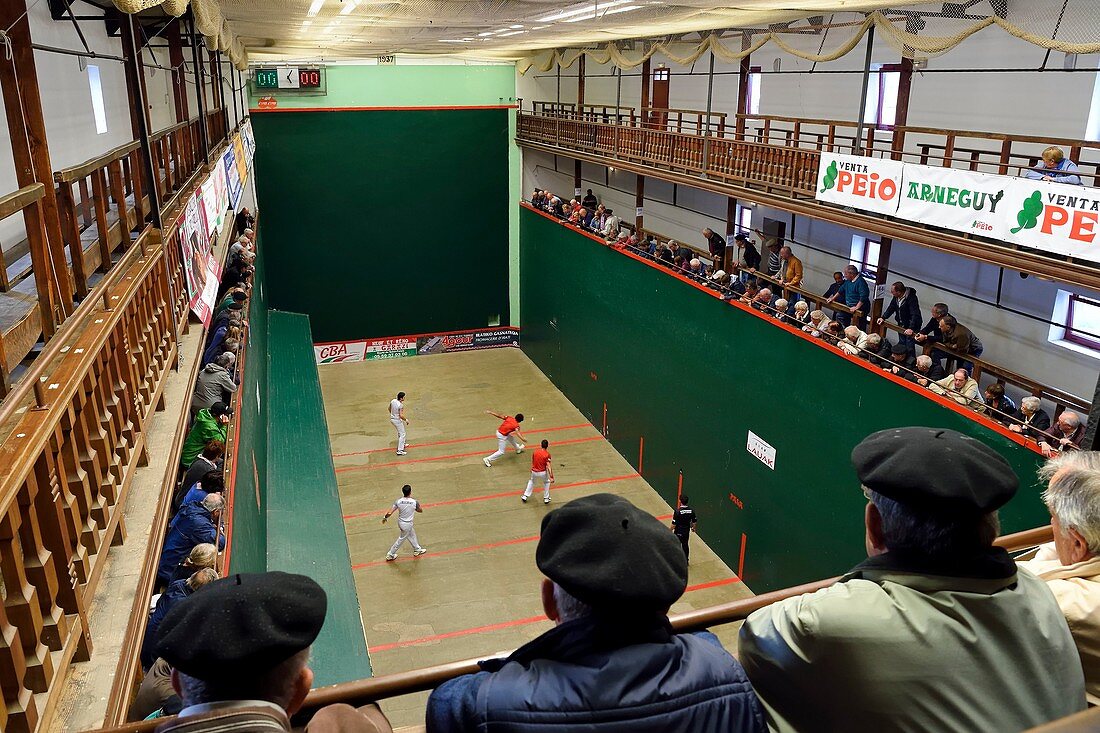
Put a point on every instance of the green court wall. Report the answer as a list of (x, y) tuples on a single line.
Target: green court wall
[(249, 531), (693, 375), (386, 222)]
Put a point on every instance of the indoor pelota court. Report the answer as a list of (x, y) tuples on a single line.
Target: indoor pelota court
[(476, 591)]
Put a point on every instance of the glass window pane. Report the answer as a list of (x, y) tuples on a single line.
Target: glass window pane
[(97, 99), (1085, 320)]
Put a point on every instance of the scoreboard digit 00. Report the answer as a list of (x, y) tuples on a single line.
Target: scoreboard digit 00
[(302, 80)]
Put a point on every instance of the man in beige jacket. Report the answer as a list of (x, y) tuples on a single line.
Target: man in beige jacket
[(1071, 564), (962, 388)]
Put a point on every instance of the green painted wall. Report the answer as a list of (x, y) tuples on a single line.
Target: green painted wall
[(407, 86), (248, 554), (384, 223), (305, 526), (693, 375)]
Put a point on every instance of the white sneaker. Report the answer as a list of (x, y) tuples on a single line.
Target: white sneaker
[(391, 558), (402, 453), (523, 499), (520, 448), (487, 463), (546, 500), (421, 551)]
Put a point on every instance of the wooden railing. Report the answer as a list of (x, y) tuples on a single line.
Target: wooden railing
[(18, 337), (73, 435), (362, 692), (784, 152), (100, 203)]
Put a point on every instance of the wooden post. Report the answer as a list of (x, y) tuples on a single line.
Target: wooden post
[(27, 129), (645, 92), (138, 44), (858, 142), (881, 273), (901, 110), (639, 201), (743, 72), (132, 67), (175, 58), (731, 228), (200, 88)]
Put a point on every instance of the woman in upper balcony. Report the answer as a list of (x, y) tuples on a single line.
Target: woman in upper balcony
[(1056, 167)]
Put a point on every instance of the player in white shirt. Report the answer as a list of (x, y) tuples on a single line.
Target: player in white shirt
[(397, 417), (406, 508)]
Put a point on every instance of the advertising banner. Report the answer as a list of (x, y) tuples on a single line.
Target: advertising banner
[(234, 186), (1053, 217), (870, 184), (394, 348), (340, 352), (202, 304)]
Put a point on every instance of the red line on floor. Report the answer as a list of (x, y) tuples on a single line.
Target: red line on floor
[(344, 469), (503, 494), (460, 550), (509, 624), (457, 440)]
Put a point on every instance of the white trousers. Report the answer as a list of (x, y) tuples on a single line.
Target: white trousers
[(399, 425), (536, 476), (502, 442), (407, 533)]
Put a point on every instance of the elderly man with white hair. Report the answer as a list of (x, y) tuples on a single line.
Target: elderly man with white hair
[(928, 371), (817, 323), (854, 341), (1071, 563), (1034, 420), (1065, 435), (962, 388), (611, 225), (801, 316)]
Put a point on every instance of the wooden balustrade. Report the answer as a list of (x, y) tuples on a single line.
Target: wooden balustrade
[(73, 435), (100, 202), (691, 121)]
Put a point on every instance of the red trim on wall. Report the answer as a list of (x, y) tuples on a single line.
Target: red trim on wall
[(257, 110), (924, 392)]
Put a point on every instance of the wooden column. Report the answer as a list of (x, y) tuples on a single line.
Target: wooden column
[(149, 171), (577, 188), (901, 110), (881, 274), (645, 92), (731, 228), (639, 201), (139, 43), (744, 69), (200, 88), (179, 78), (27, 129)]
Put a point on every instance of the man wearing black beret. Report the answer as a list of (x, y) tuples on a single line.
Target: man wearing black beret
[(936, 630), (612, 662), (239, 652)]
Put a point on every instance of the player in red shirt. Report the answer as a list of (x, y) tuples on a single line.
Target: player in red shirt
[(508, 432), (541, 470)]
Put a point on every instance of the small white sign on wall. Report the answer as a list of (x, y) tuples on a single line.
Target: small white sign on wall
[(880, 290), (387, 60), (760, 448), (639, 212), (577, 193)]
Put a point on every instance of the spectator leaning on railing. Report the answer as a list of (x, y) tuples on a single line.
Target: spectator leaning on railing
[(959, 339), (1033, 419), (1065, 435), (194, 524), (905, 308), (854, 293), (936, 630), (1070, 564), (211, 424), (962, 388), (1055, 167)]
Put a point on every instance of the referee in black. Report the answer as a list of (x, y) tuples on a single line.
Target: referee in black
[(683, 522)]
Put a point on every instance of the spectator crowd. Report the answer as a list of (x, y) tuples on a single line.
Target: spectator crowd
[(195, 535), (937, 354)]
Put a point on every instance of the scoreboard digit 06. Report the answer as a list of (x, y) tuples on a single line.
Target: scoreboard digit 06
[(289, 80)]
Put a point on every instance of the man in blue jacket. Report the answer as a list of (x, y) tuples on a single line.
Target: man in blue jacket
[(177, 591), (612, 662), (193, 525)]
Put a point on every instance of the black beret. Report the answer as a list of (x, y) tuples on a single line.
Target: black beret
[(899, 348), (608, 553), (934, 469), (218, 409), (242, 625)]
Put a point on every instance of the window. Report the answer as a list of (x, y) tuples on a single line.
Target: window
[(753, 107), (97, 99), (865, 254), (882, 95), (744, 220), (1083, 321)]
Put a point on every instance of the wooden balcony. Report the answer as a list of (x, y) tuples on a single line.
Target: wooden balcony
[(774, 161)]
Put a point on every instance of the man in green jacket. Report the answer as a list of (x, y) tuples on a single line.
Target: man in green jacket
[(937, 630), (210, 424)]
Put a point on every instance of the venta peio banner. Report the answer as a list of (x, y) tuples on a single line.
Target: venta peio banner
[(340, 352), (1054, 217)]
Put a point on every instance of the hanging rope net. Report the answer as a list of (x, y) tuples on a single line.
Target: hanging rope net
[(208, 21)]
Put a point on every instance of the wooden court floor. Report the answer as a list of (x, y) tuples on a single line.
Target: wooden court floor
[(476, 591)]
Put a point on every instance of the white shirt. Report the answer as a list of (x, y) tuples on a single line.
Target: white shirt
[(406, 507), (395, 409)]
